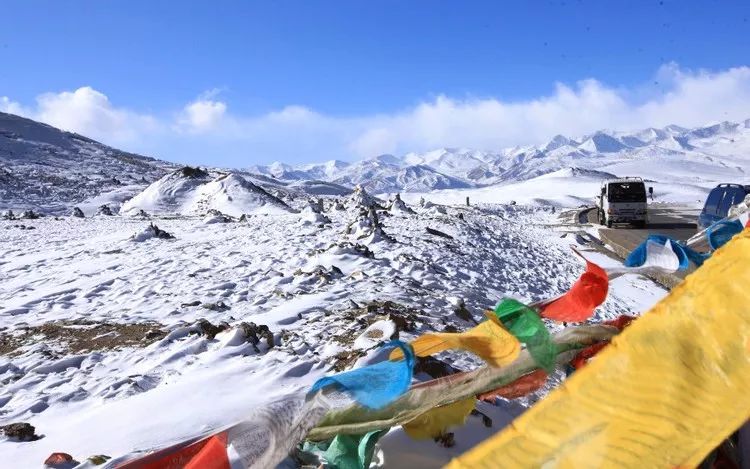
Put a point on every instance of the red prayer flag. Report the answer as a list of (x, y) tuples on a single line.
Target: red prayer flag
[(209, 453), (522, 386), (578, 304), (584, 355), (621, 322)]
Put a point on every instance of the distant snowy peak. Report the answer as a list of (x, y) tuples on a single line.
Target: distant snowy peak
[(556, 142), (190, 191), (602, 142)]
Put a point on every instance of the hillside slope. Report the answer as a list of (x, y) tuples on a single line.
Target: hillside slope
[(49, 170)]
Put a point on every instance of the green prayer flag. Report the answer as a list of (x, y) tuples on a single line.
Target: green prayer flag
[(347, 451), (524, 323)]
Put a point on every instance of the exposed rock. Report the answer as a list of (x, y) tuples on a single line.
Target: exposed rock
[(398, 206), (78, 336), (218, 306), (77, 213), (20, 431), (104, 210), (141, 214), (193, 173), (151, 231), (255, 333), (192, 303), (434, 367), (435, 232), (30, 215), (361, 199), (210, 330), (60, 461), (215, 216), (367, 225), (99, 459), (9, 215), (324, 274)]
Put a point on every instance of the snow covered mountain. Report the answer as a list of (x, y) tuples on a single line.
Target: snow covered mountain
[(711, 153), (49, 170)]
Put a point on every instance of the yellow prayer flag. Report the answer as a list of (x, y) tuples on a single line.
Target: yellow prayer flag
[(434, 422), (488, 340), (666, 392)]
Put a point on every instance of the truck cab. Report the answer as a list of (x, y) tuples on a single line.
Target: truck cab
[(622, 200)]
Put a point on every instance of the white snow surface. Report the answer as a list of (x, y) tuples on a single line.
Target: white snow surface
[(269, 270)]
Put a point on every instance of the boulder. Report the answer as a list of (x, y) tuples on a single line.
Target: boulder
[(20, 431), (30, 215), (77, 213), (104, 210)]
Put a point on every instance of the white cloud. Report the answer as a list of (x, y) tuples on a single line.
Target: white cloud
[(205, 130), (202, 115)]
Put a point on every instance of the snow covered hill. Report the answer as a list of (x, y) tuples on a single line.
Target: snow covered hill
[(193, 191), (49, 170)]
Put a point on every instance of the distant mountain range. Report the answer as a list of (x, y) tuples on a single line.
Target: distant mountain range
[(50, 170), (726, 144)]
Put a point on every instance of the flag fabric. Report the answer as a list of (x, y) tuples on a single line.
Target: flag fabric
[(346, 451), (524, 385), (578, 304), (376, 385), (435, 422), (657, 252), (620, 322), (721, 232), (586, 354), (488, 340), (524, 323)]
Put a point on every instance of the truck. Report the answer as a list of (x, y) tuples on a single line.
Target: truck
[(622, 200)]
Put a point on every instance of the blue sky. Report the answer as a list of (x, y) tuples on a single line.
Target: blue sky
[(308, 80)]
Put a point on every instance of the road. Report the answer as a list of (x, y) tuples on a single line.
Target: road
[(676, 222)]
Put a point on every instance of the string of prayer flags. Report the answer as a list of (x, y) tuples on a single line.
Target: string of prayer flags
[(524, 385), (721, 232), (435, 422), (377, 385), (488, 340), (347, 451), (524, 323), (672, 386), (579, 303)]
